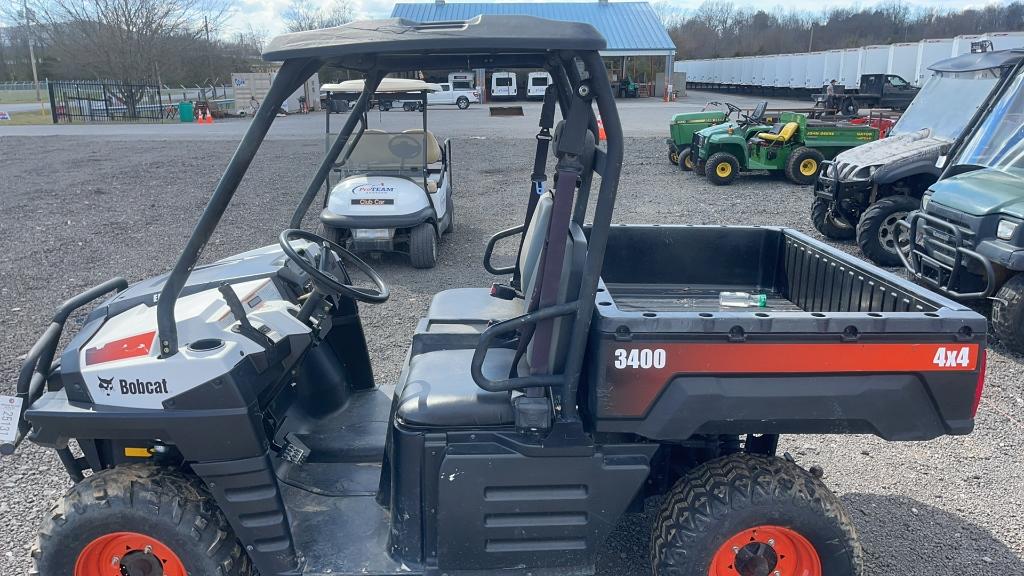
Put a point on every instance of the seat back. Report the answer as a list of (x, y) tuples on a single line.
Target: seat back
[(787, 132), (433, 146)]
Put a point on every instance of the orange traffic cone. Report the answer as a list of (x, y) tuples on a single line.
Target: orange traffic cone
[(209, 117), (601, 136)]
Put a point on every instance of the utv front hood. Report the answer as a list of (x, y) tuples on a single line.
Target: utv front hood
[(890, 152), (981, 192)]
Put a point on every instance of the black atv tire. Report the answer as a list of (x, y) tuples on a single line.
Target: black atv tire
[(829, 224), (803, 164), (876, 228), (685, 160), (720, 500), (462, 102), (721, 168), (1008, 313), (159, 504), (423, 246)]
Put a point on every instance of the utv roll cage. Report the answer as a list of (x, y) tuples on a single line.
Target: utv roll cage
[(568, 51)]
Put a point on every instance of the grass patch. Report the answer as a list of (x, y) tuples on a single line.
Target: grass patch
[(20, 96), (27, 119)]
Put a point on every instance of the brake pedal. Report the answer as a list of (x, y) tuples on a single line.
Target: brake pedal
[(294, 450)]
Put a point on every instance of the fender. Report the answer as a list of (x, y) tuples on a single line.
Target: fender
[(888, 174)]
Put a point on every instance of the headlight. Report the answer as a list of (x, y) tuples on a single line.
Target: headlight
[(1006, 229), (924, 202)]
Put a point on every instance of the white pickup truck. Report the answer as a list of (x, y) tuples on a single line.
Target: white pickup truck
[(459, 96)]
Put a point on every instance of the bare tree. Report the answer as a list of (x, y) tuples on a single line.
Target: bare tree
[(300, 15)]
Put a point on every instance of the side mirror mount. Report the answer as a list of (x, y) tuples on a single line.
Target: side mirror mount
[(941, 162)]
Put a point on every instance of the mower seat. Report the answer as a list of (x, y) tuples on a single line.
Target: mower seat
[(440, 392), (780, 136)]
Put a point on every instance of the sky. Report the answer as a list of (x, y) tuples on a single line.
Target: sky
[(266, 14)]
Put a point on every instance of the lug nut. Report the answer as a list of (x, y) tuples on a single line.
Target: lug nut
[(771, 542), (148, 549), (115, 560)]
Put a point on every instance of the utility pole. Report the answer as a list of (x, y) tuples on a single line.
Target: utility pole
[(32, 57)]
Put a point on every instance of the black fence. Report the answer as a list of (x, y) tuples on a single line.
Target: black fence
[(107, 101)]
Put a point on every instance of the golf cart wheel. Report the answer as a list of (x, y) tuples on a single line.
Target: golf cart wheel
[(803, 164), (423, 246), (1008, 313), (830, 224), (722, 168), (462, 102), (138, 519), (750, 515), (877, 233), (685, 160)]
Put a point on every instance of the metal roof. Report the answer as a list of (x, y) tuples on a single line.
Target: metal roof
[(631, 28)]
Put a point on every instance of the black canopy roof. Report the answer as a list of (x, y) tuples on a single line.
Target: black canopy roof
[(973, 62), (480, 35)]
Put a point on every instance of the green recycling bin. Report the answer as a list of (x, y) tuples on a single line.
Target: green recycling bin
[(185, 112)]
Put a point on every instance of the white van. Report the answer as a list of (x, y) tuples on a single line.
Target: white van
[(536, 84), (503, 85)]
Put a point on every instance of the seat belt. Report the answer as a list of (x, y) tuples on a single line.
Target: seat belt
[(538, 177)]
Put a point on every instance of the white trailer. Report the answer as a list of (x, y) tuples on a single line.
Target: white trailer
[(849, 71), (815, 78), (747, 73), (252, 87), (797, 70), (833, 66), (783, 65), (875, 60), (903, 60), (929, 52), (962, 43), (757, 76), (1006, 40), (771, 64)]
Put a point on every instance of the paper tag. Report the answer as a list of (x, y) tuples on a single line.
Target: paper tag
[(10, 414)]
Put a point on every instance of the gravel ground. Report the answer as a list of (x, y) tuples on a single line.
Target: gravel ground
[(78, 211)]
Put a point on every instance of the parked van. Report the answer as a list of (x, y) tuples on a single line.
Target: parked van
[(503, 85), (536, 84), (462, 80)]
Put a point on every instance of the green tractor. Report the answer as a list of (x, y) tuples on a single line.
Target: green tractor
[(685, 125), (793, 145)]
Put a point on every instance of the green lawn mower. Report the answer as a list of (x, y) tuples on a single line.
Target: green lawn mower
[(685, 125), (794, 145)]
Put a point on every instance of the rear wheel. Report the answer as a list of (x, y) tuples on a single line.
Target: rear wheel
[(832, 225), (685, 160), (1008, 313), (802, 165), (722, 168), (423, 246), (877, 233), (137, 520), (462, 102), (753, 515)]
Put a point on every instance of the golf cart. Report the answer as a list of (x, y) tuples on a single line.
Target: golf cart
[(793, 144), (230, 423), (395, 192), (966, 240), (685, 125), (865, 191)]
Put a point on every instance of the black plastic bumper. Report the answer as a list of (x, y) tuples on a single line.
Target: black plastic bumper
[(834, 189), (940, 258), (389, 221)]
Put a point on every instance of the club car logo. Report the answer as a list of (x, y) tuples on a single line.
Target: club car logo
[(373, 189), (133, 387)]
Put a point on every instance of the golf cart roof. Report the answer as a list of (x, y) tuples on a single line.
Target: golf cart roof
[(387, 85), (977, 61), (420, 40)]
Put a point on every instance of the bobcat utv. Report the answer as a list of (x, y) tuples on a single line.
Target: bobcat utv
[(229, 421)]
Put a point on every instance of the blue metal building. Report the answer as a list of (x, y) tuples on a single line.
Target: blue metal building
[(633, 30)]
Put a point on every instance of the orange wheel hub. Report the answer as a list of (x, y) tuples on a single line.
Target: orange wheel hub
[(128, 554), (766, 551)]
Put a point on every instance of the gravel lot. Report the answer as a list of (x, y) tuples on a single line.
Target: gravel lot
[(74, 212)]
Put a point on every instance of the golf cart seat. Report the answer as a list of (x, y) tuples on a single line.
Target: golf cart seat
[(780, 133), (434, 154)]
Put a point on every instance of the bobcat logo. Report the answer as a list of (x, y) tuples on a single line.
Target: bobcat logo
[(106, 384)]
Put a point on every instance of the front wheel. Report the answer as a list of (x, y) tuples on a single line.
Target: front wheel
[(423, 246), (753, 515), (462, 102), (830, 224), (722, 168), (878, 234), (137, 520), (1008, 313)]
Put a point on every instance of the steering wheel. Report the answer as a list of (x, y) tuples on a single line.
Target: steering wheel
[(404, 146), (320, 274)]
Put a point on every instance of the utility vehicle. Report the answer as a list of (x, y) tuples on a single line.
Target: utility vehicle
[(967, 240), (683, 126), (503, 86), (395, 191), (230, 420), (537, 84), (793, 145), (876, 91), (744, 124), (865, 191)]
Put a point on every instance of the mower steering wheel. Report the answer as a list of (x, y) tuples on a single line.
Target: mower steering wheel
[(320, 274)]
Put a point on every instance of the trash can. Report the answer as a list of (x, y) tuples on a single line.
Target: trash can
[(185, 112)]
